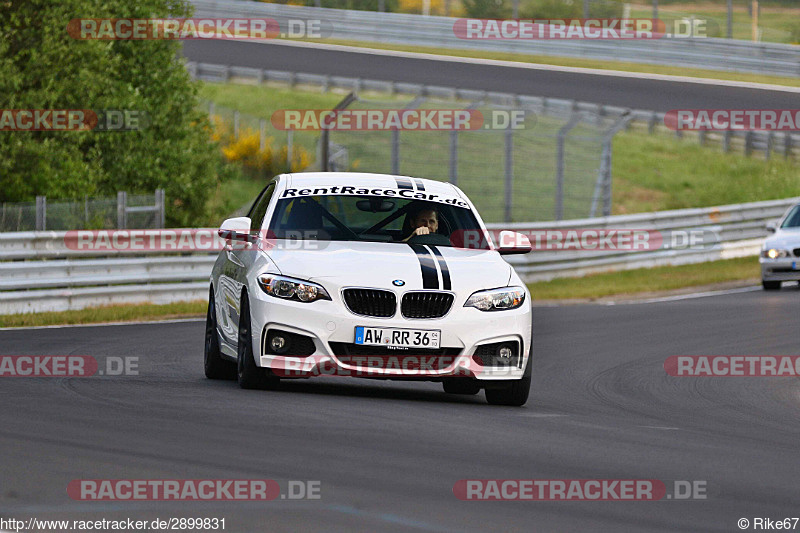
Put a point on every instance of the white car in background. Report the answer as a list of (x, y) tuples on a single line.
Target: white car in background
[(780, 255), (340, 278)]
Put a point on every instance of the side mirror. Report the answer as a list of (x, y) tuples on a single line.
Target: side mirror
[(512, 243), (772, 226), (235, 229)]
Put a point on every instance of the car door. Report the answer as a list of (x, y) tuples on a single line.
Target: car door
[(238, 259)]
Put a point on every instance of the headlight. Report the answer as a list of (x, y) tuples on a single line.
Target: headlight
[(774, 253), (292, 289), (497, 299)]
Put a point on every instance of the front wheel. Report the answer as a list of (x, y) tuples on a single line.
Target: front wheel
[(512, 392), (771, 285), (249, 375)]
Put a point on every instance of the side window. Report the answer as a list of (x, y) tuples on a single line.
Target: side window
[(259, 208)]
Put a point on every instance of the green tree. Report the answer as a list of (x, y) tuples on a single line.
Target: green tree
[(44, 68)]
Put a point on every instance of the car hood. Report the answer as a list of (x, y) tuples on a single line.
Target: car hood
[(378, 265), (784, 238)]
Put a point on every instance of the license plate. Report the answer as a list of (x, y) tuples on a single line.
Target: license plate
[(397, 337)]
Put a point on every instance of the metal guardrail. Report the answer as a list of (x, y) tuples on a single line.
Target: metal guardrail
[(748, 142), (40, 273), (433, 31)]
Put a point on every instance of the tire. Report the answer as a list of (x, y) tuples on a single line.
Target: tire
[(248, 374), (512, 392), (464, 386), (771, 285), (215, 366)]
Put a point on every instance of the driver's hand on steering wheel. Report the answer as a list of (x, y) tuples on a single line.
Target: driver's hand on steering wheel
[(422, 230)]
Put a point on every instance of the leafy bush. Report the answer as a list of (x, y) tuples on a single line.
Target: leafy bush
[(246, 150)]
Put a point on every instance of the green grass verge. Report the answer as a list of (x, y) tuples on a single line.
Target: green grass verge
[(624, 66), (651, 171), (641, 280), (114, 313)]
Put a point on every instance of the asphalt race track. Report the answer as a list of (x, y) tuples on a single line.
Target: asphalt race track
[(388, 453), (630, 92)]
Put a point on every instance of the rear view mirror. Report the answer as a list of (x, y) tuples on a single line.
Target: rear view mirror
[(772, 226), (512, 243), (235, 229), (375, 205)]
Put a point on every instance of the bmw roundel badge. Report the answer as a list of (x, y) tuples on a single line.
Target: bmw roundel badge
[(398, 283)]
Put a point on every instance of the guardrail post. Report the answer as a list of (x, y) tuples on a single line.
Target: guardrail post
[(454, 156), (509, 174), (748, 143), (726, 141), (160, 209), (122, 200), (41, 213), (701, 137)]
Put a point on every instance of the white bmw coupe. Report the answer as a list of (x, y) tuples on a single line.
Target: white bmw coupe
[(371, 276)]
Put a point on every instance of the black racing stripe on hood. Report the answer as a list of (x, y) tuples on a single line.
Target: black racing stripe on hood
[(430, 279), (420, 185), (443, 267)]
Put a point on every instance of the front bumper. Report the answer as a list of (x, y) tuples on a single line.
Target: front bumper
[(784, 269), (463, 329)]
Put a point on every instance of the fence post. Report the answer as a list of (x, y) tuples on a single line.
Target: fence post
[(122, 201), (289, 149), (454, 156), (562, 135), (41, 213), (324, 137), (787, 144), (396, 151), (160, 209), (726, 141), (262, 134), (509, 171), (748, 143)]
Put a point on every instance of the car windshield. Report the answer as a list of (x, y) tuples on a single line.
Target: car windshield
[(793, 220), (376, 219)]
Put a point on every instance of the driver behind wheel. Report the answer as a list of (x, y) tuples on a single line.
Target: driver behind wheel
[(422, 221)]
